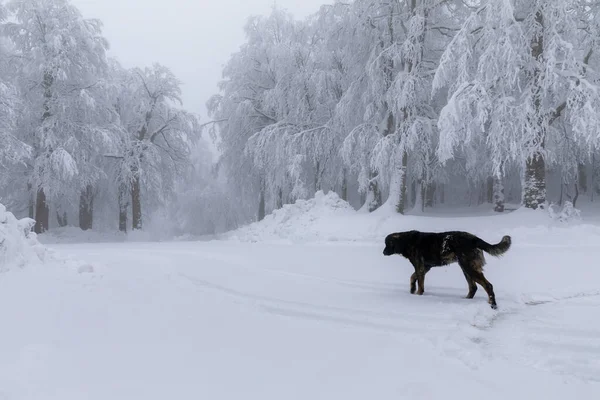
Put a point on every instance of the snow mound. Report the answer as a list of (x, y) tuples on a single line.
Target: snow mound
[(18, 245), (568, 213), (305, 220), (327, 218)]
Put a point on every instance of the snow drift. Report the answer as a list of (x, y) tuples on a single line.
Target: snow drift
[(328, 218), (18, 245), (315, 219)]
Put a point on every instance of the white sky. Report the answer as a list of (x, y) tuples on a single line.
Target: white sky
[(194, 38)]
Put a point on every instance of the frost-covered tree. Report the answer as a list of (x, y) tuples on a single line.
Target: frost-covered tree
[(155, 137), (60, 56), (248, 103), (514, 70)]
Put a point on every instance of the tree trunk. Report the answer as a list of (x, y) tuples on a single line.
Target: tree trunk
[(490, 190), (42, 212), (535, 182), (344, 185), (576, 195), (86, 208), (279, 198), (442, 193), (136, 203), (595, 177), (397, 195), (498, 189), (123, 206), (419, 196), (261, 205), (373, 195), (535, 168), (317, 183), (31, 211), (582, 178), (62, 219), (430, 189)]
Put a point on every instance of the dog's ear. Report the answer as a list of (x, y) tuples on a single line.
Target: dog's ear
[(399, 243)]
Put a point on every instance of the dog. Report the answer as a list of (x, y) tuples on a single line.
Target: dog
[(425, 250)]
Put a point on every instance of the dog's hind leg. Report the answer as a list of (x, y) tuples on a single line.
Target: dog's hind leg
[(472, 285), (489, 288), (472, 265)]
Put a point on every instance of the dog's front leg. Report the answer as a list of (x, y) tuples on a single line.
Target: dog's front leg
[(420, 271), (413, 283)]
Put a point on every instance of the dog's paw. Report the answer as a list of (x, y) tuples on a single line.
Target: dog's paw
[(494, 306)]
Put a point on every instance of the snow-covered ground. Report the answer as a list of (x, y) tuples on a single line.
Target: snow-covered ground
[(304, 306)]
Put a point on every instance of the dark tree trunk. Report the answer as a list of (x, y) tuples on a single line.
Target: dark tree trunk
[(31, 211), (261, 205), (86, 208), (430, 189), (344, 186), (123, 206), (582, 178), (42, 213), (279, 198), (490, 190), (401, 206), (576, 195), (317, 183), (136, 202)]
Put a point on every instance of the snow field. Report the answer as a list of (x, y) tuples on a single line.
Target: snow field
[(313, 312)]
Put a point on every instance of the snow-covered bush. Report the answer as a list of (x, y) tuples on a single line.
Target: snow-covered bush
[(566, 214), (18, 245)]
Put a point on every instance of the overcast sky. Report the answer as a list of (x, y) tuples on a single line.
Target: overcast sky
[(194, 38)]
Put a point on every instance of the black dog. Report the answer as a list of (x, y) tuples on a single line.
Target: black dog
[(425, 250)]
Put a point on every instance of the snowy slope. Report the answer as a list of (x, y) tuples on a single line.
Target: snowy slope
[(315, 312)]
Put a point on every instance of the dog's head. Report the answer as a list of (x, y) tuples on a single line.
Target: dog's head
[(396, 243)]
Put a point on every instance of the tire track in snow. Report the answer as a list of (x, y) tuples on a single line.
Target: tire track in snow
[(382, 321)]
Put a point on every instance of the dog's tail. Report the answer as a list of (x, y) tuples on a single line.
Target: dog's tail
[(495, 249)]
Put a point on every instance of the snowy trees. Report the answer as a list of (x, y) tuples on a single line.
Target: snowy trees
[(75, 126), (403, 103), (60, 56), (518, 76), (156, 136), (413, 96)]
